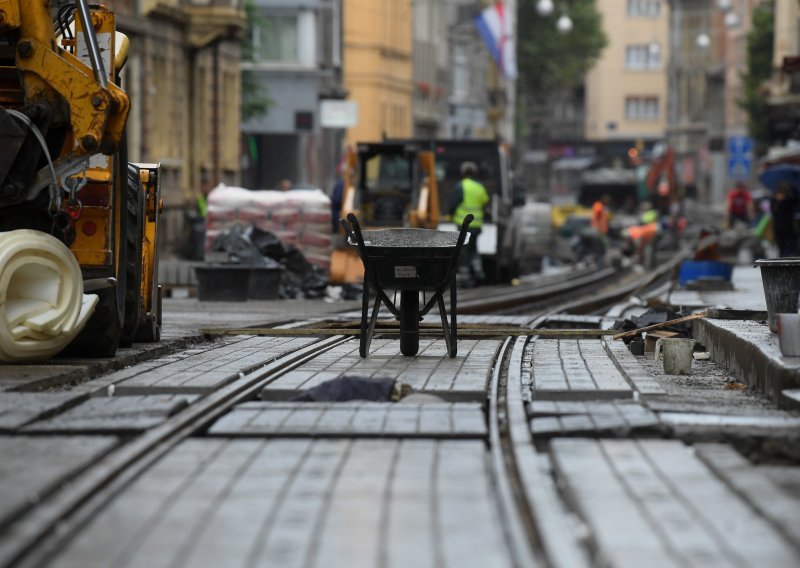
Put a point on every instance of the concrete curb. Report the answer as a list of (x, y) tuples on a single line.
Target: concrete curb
[(752, 353)]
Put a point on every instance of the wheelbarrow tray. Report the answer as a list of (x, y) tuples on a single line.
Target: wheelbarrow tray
[(411, 259)]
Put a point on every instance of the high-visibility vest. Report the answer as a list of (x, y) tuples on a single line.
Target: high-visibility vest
[(475, 198)]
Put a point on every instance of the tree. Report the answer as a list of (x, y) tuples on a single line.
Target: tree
[(550, 61), (754, 79), (255, 99)]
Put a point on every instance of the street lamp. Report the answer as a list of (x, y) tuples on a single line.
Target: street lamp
[(564, 24), (545, 7), (703, 40)]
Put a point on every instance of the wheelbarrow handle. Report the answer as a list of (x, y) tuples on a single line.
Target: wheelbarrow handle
[(347, 230), (462, 234), (358, 238)]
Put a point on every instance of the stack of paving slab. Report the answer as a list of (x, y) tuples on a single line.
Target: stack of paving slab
[(300, 218)]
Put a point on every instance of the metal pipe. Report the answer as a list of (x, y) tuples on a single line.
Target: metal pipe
[(91, 43)]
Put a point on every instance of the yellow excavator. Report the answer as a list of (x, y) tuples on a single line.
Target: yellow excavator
[(386, 185), (63, 161)]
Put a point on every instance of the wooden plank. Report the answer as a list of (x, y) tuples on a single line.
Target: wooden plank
[(633, 332)]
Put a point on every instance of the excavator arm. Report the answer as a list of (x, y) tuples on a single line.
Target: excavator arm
[(58, 101)]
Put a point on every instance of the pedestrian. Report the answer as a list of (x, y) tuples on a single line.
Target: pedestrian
[(739, 205), (782, 206), (470, 197), (336, 203)]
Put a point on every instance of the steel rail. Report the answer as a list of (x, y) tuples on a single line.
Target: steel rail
[(48, 527), (518, 531)]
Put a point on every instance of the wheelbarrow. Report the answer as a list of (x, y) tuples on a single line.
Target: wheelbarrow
[(408, 261)]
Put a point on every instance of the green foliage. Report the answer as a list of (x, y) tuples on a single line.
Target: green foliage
[(255, 98), (550, 61), (759, 69)]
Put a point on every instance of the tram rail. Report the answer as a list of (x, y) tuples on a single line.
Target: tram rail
[(50, 524)]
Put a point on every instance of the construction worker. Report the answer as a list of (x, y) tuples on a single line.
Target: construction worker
[(600, 215), (470, 197)]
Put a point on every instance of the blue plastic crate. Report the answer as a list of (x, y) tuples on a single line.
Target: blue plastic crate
[(692, 270)]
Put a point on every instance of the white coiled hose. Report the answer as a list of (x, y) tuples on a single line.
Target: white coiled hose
[(42, 304)]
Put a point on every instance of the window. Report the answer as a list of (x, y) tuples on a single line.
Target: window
[(645, 56), (276, 39), (644, 8), (641, 108)]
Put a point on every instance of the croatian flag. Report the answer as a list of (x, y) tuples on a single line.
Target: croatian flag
[(496, 29)]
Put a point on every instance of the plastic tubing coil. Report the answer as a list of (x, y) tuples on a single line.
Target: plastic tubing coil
[(42, 304)]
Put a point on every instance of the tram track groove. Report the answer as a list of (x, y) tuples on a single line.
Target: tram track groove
[(39, 536)]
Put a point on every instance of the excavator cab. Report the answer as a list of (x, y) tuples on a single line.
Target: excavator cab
[(386, 185)]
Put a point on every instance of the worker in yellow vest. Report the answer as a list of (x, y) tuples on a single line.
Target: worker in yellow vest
[(470, 197)]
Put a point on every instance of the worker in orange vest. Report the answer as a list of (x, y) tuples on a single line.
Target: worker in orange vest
[(600, 215)]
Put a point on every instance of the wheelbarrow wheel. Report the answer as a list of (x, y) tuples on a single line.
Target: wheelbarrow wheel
[(409, 322)]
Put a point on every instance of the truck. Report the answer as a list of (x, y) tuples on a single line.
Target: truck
[(387, 184), (498, 244), (63, 162)]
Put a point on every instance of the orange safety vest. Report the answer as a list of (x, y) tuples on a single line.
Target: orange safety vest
[(600, 217)]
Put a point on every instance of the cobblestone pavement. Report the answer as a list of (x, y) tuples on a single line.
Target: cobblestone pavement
[(607, 461)]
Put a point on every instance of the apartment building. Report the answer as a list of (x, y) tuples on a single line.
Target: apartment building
[(626, 91)]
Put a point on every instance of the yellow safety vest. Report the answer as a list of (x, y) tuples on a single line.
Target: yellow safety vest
[(473, 201)]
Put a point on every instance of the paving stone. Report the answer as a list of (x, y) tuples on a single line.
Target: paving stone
[(731, 423), (643, 382), (657, 490), (20, 408), (574, 369), (463, 377), (357, 418), (780, 507), (282, 502), (32, 467), (209, 369), (617, 418), (117, 415), (30, 377)]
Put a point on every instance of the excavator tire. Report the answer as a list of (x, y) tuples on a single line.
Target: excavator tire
[(135, 212), (103, 331)]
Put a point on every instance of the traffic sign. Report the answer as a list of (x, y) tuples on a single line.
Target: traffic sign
[(740, 157)]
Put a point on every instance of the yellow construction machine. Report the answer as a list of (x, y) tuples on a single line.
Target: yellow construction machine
[(63, 161), (386, 185)]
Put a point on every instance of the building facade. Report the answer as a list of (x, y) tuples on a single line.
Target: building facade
[(182, 76), (378, 67), (626, 91), (295, 63)]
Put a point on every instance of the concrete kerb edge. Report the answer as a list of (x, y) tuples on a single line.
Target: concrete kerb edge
[(747, 361)]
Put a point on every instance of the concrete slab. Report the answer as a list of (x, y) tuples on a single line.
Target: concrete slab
[(208, 369), (680, 512), (747, 293), (603, 418), (647, 387), (33, 467), (461, 378), (575, 369), (32, 377), (358, 418), (118, 415), (315, 503), (778, 506), (18, 408)]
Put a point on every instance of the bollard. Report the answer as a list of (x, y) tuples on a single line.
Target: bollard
[(677, 355), (789, 334)]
